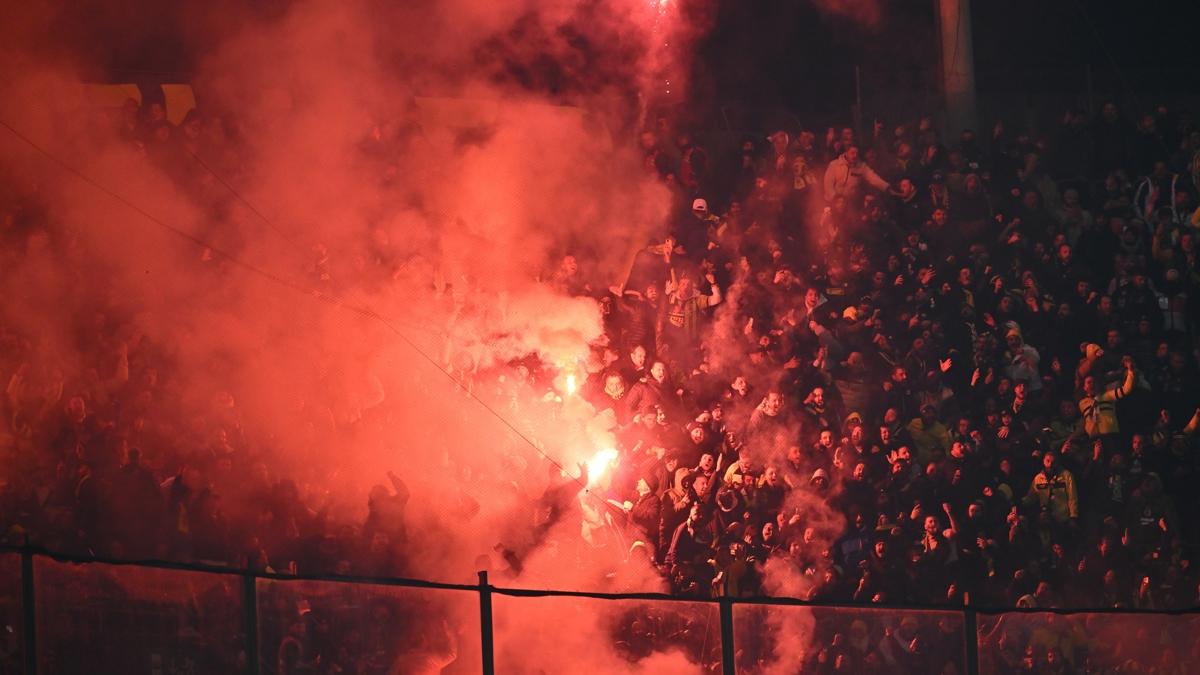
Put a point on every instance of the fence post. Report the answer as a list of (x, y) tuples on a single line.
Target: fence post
[(485, 625), (28, 613), (971, 633), (728, 655), (250, 616)]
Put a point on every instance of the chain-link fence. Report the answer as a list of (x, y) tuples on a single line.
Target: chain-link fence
[(66, 616)]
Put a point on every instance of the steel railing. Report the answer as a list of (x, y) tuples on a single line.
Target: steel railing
[(486, 591)]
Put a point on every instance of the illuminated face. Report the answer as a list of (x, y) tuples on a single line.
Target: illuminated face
[(810, 535), (614, 387), (739, 385), (939, 217), (860, 471), (701, 484), (659, 372), (793, 454), (810, 297), (638, 356), (774, 404), (697, 434), (818, 395), (569, 265), (652, 293), (707, 462), (768, 531), (772, 476), (931, 525), (826, 439)]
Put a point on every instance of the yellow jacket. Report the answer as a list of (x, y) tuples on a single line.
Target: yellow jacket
[(1056, 493)]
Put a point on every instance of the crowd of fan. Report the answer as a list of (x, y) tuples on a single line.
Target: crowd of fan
[(976, 358), (978, 353)]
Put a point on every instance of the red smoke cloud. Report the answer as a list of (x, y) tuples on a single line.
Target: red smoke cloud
[(407, 178)]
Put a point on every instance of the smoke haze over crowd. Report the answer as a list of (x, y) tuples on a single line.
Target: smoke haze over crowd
[(426, 289), (405, 175)]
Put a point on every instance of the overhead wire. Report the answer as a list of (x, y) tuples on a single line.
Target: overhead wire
[(318, 294), (1112, 60), (238, 195)]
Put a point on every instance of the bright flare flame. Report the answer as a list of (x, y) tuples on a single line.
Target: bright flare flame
[(600, 463), (571, 385)]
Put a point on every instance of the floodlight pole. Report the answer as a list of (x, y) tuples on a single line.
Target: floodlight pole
[(958, 66)]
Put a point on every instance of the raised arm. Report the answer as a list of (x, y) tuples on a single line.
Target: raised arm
[(715, 297), (1127, 386)]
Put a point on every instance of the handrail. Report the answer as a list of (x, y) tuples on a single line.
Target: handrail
[(410, 582), (486, 590)]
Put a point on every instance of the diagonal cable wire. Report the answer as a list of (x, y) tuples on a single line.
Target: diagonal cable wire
[(365, 312), (238, 195), (1112, 60)]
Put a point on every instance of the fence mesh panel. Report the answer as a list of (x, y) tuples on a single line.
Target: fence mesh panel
[(1088, 643), (366, 629), (585, 635), (11, 634), (794, 639), (126, 620)]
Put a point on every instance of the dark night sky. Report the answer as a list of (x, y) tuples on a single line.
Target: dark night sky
[(781, 54), (757, 48)]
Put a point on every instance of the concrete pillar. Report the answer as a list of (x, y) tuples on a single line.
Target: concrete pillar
[(958, 67)]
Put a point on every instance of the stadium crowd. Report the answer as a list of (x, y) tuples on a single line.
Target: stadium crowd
[(975, 356), (981, 358)]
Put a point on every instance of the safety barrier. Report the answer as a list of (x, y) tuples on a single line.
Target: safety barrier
[(65, 614)]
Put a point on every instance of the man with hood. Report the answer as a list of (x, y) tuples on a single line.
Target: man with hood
[(846, 175)]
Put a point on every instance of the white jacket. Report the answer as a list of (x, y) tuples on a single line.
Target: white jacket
[(845, 180)]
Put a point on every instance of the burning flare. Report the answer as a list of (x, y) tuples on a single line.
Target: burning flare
[(600, 463)]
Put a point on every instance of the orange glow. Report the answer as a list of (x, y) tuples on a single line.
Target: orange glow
[(600, 463)]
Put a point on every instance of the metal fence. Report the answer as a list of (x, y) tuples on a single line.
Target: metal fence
[(63, 615)]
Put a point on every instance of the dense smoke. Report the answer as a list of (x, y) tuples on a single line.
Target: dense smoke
[(369, 197), (407, 180), (444, 233)]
